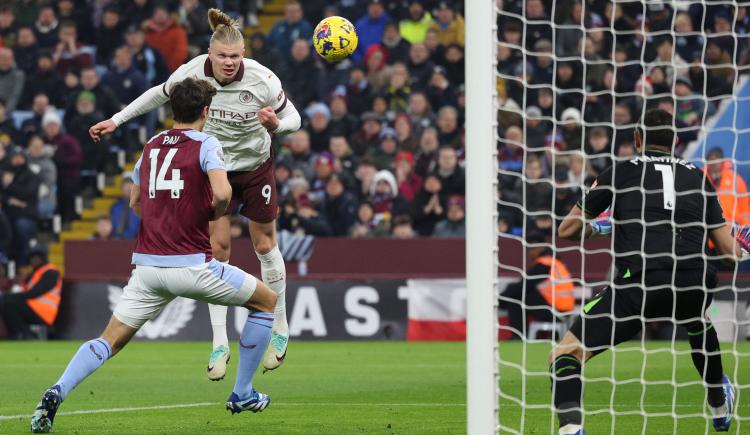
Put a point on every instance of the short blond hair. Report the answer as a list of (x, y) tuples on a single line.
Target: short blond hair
[(226, 30)]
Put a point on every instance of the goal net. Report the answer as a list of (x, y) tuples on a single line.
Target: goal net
[(571, 81)]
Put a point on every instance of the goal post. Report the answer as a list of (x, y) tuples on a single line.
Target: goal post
[(481, 219)]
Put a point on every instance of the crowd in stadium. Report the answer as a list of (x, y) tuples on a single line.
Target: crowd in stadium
[(585, 72), (381, 145)]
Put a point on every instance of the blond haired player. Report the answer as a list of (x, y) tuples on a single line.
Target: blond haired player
[(249, 104)]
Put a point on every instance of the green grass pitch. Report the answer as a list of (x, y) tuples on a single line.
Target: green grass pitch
[(355, 387)]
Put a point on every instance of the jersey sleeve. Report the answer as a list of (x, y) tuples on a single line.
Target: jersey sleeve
[(211, 155), (600, 194), (276, 97), (180, 74), (714, 214), (137, 172)]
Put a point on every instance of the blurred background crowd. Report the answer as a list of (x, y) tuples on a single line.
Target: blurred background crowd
[(381, 150)]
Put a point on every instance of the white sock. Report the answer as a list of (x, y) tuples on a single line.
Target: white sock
[(218, 314), (273, 272), (570, 429)]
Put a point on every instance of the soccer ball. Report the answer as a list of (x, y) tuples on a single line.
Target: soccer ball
[(335, 39)]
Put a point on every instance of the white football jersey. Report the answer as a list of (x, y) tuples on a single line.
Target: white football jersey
[(232, 117)]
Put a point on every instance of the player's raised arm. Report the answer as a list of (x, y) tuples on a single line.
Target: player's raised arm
[(148, 101)]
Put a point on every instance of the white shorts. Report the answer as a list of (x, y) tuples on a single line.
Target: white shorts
[(151, 288)]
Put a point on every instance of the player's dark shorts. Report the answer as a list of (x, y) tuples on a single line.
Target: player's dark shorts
[(256, 191), (619, 312)]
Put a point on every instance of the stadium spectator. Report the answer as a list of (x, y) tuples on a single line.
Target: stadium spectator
[(367, 226), (384, 154), (46, 26), (409, 183), (11, 79), (106, 101), (547, 282), (318, 125), (39, 156), (454, 224), (401, 228), (145, 58), (94, 154), (33, 125), (426, 158), (167, 36), (368, 137), (454, 64), (81, 15), (103, 228), (370, 27), (192, 16), (109, 35), (398, 90), (302, 160), (449, 25), (414, 27), (124, 221), (292, 27), (324, 168), (339, 206), (298, 215), (448, 128), (572, 131), (440, 91), (566, 193), (8, 27), (420, 66), (358, 91), (375, 62), (265, 53), (126, 82), (344, 161), (7, 126), (68, 158), (536, 129), (139, 11), (342, 122), (20, 187), (598, 149), (730, 187), (428, 207), (38, 301), (26, 50), (397, 46), (364, 173), (70, 54), (301, 75), (405, 137), (384, 196), (451, 175), (43, 80), (420, 111)]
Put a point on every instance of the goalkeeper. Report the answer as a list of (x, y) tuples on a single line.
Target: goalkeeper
[(664, 212)]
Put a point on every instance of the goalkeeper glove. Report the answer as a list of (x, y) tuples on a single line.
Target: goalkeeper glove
[(601, 227), (742, 235)]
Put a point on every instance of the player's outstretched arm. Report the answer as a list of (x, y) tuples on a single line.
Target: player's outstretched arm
[(573, 227), (221, 189), (148, 101), (731, 247)]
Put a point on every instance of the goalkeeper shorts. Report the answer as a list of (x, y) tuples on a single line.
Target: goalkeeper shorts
[(620, 311)]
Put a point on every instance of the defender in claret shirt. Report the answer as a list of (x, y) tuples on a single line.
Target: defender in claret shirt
[(249, 104), (664, 212), (181, 184)]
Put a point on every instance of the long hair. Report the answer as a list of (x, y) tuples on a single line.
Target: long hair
[(226, 30)]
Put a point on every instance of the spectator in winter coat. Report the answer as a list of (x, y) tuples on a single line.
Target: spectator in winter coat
[(70, 54), (342, 122), (384, 154), (414, 27), (46, 26), (77, 125), (192, 16), (125, 222), (69, 158), (302, 159), (301, 75), (426, 158), (11, 79), (26, 50), (429, 206), (145, 58), (420, 66), (318, 116), (266, 54), (449, 25), (44, 80), (454, 224), (292, 27), (344, 161), (368, 137), (384, 196), (168, 37), (370, 27), (367, 226), (20, 188), (33, 125), (409, 183), (398, 48), (40, 162), (451, 175), (109, 35), (339, 207), (125, 81)]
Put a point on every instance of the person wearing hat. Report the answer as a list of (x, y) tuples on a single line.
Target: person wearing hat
[(318, 125), (324, 168), (38, 301), (440, 91), (20, 187), (339, 206), (449, 25), (409, 182), (370, 27), (146, 58), (546, 281), (384, 154), (454, 224), (368, 136), (689, 106), (416, 24), (69, 158), (571, 128)]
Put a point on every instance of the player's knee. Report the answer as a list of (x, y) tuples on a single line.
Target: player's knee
[(264, 245), (220, 250)]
